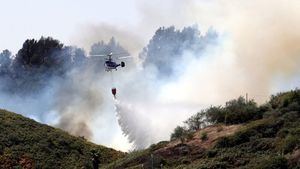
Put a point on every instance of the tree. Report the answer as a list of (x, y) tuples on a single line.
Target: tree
[(196, 122), (5, 61), (179, 132), (102, 48), (234, 112), (240, 111), (215, 114), (169, 44), (38, 61), (36, 53), (5, 57)]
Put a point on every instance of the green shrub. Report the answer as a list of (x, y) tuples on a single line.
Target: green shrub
[(215, 114), (190, 135), (223, 142), (236, 139), (196, 122), (290, 143), (203, 136), (217, 165), (22, 139), (211, 153), (282, 133), (179, 132), (159, 145), (277, 162), (234, 112), (285, 99), (259, 145)]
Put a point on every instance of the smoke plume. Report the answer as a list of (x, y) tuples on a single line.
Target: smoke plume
[(257, 51), (263, 39), (77, 100), (129, 39), (258, 48)]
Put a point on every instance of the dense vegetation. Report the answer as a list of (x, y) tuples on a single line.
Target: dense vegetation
[(25, 143), (273, 141), (169, 45), (105, 48), (268, 139), (235, 111), (40, 62)]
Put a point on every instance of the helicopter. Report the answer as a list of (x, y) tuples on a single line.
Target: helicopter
[(109, 63)]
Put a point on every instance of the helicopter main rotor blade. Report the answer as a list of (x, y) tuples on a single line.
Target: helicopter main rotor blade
[(111, 54), (99, 55), (118, 54), (125, 57)]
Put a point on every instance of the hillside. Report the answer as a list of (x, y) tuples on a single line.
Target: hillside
[(238, 135), (269, 138), (175, 152), (27, 144)]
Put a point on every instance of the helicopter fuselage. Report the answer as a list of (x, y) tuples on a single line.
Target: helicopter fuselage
[(109, 65)]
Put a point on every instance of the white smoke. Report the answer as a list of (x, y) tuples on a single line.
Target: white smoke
[(258, 48), (77, 100), (144, 114), (257, 53)]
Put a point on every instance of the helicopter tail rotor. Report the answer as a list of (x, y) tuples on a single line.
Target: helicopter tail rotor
[(122, 64)]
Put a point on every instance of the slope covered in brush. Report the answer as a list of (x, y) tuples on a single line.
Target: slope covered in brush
[(25, 143), (237, 135)]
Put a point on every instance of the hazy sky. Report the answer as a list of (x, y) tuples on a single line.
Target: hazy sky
[(60, 19)]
